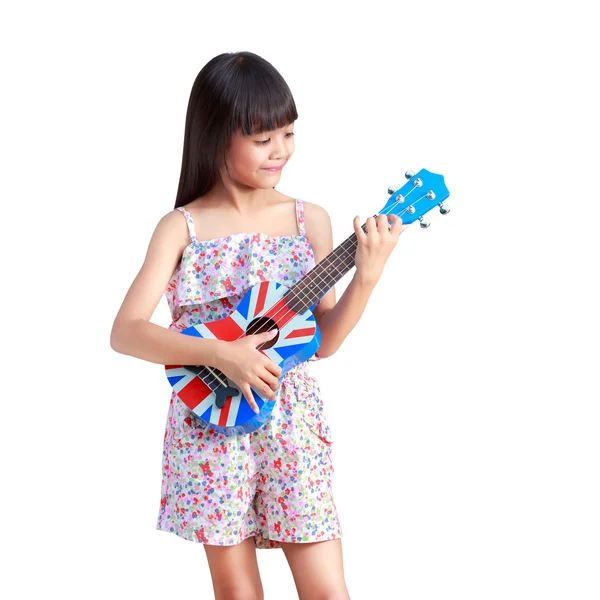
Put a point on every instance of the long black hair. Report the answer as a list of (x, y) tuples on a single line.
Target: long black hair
[(233, 91)]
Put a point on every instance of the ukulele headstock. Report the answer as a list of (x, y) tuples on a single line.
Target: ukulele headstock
[(420, 194)]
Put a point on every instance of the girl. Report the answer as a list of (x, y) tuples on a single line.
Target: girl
[(231, 229)]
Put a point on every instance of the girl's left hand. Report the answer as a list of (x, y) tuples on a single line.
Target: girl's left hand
[(376, 245)]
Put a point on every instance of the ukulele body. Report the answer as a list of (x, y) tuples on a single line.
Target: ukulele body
[(204, 389)]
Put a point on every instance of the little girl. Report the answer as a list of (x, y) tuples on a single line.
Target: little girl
[(230, 229)]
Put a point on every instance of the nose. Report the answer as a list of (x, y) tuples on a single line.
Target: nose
[(281, 147)]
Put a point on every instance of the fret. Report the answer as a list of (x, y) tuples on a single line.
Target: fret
[(321, 278)]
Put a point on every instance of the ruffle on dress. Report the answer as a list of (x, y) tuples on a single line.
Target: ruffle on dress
[(227, 267)]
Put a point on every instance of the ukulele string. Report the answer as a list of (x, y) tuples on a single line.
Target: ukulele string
[(279, 315)]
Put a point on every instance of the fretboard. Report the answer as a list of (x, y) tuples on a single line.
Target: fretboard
[(323, 276)]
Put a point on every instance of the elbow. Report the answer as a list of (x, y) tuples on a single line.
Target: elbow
[(324, 352), (114, 339), (123, 333), (117, 334)]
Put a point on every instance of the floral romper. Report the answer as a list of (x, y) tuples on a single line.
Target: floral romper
[(274, 483)]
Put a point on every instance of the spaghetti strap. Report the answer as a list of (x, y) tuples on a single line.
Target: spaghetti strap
[(300, 217), (190, 222)]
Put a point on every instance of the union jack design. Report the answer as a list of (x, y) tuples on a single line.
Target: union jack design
[(298, 340)]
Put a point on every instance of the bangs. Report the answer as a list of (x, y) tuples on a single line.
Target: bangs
[(262, 102)]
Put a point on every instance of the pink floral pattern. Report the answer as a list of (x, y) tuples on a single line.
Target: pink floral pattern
[(276, 482)]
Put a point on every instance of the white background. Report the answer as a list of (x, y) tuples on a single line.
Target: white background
[(466, 438)]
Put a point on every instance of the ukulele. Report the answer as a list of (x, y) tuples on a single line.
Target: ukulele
[(215, 399)]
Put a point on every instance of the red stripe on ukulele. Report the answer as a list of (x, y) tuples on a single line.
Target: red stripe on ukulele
[(262, 295), (281, 313), (300, 332), (194, 393), (225, 412), (225, 329)]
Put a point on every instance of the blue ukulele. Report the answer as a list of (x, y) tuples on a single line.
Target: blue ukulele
[(215, 399)]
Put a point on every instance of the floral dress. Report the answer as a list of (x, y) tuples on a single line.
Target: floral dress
[(274, 483)]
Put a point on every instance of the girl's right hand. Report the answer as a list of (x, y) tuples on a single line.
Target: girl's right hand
[(247, 367)]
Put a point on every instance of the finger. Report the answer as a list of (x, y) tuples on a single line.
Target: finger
[(396, 225), (273, 368), (263, 389), (371, 226), (270, 380), (360, 234), (382, 223), (250, 398), (370, 229), (261, 338)]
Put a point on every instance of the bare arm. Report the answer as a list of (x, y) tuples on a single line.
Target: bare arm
[(336, 320), (337, 323), (163, 346), (132, 332)]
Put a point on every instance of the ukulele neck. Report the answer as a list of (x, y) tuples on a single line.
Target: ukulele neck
[(323, 276)]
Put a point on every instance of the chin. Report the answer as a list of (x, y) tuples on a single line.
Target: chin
[(262, 186)]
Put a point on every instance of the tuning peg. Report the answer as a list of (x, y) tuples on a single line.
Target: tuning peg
[(424, 222), (392, 189), (409, 174), (444, 209)]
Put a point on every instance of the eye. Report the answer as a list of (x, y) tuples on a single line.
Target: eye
[(265, 142)]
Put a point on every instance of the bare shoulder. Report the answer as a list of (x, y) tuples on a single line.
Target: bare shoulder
[(318, 229), (173, 226), (316, 220), (320, 236), (165, 248), (170, 236)]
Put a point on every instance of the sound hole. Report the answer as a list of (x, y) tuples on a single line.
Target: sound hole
[(261, 325)]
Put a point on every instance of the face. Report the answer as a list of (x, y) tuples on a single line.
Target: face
[(249, 157)]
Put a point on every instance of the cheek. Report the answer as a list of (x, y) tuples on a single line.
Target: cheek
[(243, 165), (250, 159), (244, 157)]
